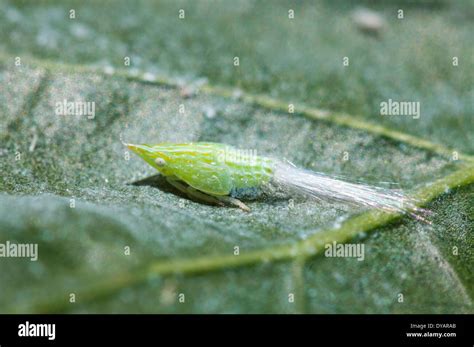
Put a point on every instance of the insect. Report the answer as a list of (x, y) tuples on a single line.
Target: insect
[(219, 174)]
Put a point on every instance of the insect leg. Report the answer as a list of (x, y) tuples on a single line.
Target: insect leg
[(200, 196), (178, 185), (234, 201), (196, 194), (193, 193)]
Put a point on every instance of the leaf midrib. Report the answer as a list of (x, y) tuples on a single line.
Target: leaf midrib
[(263, 101), (300, 251)]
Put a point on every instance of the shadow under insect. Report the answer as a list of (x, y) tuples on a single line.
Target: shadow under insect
[(248, 194), (160, 182)]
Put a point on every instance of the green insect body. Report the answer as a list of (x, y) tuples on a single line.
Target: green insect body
[(215, 169), (217, 173)]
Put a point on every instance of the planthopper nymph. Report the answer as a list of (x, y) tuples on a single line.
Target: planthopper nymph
[(220, 174)]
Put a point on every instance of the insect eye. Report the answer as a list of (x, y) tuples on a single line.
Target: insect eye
[(160, 162)]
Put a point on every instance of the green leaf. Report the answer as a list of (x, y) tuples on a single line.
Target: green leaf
[(299, 60), (65, 187)]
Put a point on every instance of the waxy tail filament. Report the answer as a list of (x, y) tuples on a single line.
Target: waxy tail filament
[(321, 186)]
